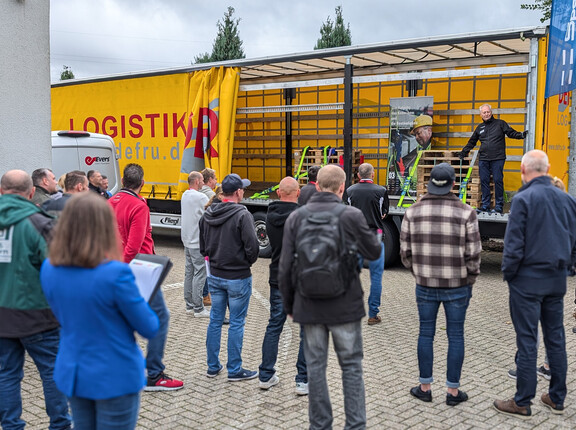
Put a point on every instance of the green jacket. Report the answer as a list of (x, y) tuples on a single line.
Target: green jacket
[(24, 232)]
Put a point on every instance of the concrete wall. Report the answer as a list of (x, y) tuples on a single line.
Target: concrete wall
[(24, 85)]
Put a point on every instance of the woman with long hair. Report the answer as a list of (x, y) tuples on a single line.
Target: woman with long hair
[(99, 367)]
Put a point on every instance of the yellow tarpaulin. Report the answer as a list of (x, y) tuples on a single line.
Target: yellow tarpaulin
[(213, 98)]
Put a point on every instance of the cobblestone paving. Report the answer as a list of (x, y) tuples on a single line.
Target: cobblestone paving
[(390, 365)]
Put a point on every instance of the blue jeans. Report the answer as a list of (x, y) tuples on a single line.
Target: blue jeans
[(533, 299), (496, 168), (455, 302), (347, 339), (155, 352), (42, 348), (234, 293), (272, 337), (376, 268), (120, 413)]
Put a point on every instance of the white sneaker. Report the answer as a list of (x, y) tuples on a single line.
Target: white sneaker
[(269, 383), (205, 313), (302, 388)]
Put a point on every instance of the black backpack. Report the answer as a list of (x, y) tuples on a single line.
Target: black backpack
[(324, 263)]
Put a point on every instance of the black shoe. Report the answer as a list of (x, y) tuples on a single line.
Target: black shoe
[(497, 211), (574, 330), (456, 400), (482, 209), (425, 396)]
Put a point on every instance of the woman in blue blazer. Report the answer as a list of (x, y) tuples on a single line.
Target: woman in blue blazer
[(99, 366)]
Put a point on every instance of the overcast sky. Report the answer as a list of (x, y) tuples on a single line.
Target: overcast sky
[(107, 37)]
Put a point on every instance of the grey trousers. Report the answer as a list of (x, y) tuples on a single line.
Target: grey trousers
[(347, 340), (194, 279)]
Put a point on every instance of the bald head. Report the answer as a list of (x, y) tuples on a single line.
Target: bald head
[(288, 190), (17, 182), (331, 178), (534, 163)]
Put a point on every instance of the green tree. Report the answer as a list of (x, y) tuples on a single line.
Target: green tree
[(66, 73), (544, 5), (334, 34), (227, 45)]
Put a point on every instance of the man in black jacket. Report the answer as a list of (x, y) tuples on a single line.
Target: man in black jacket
[(541, 214), (278, 212), (228, 239), (372, 200), (310, 188), (339, 315), (492, 135)]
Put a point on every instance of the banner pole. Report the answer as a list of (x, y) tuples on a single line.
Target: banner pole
[(572, 153)]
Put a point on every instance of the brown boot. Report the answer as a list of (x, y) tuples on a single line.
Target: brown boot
[(509, 407), (556, 409), (207, 301)]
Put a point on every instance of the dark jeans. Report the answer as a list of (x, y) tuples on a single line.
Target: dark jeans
[(376, 268), (533, 299), (272, 337), (118, 413), (42, 348), (155, 351), (455, 302), (347, 339), (496, 168)]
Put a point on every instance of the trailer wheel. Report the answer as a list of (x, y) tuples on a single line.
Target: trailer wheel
[(391, 244), (263, 241)]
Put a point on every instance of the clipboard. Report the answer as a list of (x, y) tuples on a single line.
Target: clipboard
[(150, 270)]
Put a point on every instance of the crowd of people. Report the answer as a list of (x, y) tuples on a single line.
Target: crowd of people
[(71, 301)]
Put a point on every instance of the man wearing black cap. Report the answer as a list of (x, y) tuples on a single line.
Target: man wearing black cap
[(228, 240), (440, 243)]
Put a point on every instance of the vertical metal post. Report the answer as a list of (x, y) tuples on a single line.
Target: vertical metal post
[(347, 132), (289, 94), (531, 105), (572, 153)]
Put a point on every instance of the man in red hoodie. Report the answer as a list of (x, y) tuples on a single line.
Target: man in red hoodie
[(133, 218)]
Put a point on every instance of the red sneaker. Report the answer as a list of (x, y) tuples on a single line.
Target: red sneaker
[(163, 383)]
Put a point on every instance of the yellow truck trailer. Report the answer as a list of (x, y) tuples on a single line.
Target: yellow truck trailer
[(351, 98)]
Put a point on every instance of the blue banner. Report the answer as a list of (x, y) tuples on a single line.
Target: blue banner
[(561, 75)]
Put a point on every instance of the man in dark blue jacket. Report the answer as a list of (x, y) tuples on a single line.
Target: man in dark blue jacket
[(541, 214), (492, 135), (278, 212)]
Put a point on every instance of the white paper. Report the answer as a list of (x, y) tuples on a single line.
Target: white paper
[(147, 275)]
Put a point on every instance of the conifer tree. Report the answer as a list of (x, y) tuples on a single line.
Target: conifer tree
[(334, 34), (227, 45)]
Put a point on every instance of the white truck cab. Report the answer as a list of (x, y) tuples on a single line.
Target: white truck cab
[(81, 150)]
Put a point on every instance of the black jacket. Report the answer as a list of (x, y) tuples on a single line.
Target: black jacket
[(306, 192), (372, 200), (492, 134), (540, 236), (278, 212), (228, 238), (346, 308)]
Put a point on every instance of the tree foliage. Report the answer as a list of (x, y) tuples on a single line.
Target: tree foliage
[(227, 45), (544, 5), (334, 34), (66, 73)]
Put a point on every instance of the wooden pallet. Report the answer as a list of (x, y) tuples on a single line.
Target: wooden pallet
[(431, 158)]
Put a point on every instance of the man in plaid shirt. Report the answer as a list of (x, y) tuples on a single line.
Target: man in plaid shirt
[(440, 243)]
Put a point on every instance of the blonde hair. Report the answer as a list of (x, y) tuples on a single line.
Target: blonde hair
[(216, 196), (86, 233), (557, 182)]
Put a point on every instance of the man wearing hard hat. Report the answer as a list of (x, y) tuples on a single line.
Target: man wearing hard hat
[(422, 131)]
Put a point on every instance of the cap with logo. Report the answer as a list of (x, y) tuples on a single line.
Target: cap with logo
[(442, 179), (233, 182)]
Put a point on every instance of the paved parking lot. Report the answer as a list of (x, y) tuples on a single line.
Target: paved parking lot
[(390, 365)]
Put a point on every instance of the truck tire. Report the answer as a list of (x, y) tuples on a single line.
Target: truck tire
[(263, 241), (391, 241)]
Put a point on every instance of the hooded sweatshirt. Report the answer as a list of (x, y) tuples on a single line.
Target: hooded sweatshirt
[(228, 239), (24, 231), (278, 212)]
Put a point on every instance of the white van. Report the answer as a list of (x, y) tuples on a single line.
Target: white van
[(81, 150)]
